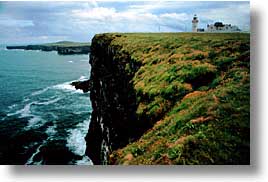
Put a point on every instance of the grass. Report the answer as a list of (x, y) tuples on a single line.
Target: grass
[(67, 44), (194, 90)]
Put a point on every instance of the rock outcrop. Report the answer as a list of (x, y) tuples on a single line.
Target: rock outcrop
[(85, 85)]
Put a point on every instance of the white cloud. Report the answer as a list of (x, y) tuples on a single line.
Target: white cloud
[(129, 21), (238, 14), (146, 7), (175, 16), (98, 13)]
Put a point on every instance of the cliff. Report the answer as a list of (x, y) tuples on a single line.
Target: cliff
[(62, 47), (175, 98)]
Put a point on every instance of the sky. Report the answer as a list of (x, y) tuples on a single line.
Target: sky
[(40, 22)]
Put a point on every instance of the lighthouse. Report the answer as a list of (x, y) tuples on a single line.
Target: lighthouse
[(194, 24)]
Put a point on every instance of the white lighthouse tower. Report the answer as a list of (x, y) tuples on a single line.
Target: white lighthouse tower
[(194, 24)]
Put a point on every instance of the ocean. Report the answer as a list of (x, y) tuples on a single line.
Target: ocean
[(43, 119)]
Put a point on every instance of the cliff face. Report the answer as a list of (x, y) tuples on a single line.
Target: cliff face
[(177, 98), (113, 122)]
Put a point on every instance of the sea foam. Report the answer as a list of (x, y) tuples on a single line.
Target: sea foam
[(35, 121), (66, 86), (40, 91), (76, 140)]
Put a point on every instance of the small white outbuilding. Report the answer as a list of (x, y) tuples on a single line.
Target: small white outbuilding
[(220, 27)]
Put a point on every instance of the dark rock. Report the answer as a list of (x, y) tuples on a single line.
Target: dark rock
[(82, 85), (114, 122), (73, 50), (16, 47)]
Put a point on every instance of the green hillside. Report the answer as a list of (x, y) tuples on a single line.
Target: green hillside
[(67, 44), (194, 89)]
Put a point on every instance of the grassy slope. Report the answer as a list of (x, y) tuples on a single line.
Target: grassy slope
[(194, 89), (67, 44)]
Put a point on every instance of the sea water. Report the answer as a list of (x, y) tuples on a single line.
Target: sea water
[(43, 119)]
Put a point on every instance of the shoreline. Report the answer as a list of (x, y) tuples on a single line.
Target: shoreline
[(62, 48)]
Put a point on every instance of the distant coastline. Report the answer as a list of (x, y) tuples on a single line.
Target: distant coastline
[(62, 47)]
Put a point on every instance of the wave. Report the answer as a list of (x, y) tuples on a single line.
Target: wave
[(66, 86), (12, 106), (76, 140), (30, 161), (70, 61), (36, 112), (24, 112), (40, 91), (82, 78), (35, 121), (26, 99), (50, 131), (52, 101), (75, 143)]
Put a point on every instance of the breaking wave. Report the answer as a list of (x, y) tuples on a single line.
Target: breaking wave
[(76, 140), (49, 105)]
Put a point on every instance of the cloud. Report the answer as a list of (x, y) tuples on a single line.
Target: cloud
[(98, 13), (236, 14), (128, 21), (79, 21)]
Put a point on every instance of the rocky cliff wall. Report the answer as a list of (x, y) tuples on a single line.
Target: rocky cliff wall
[(113, 122)]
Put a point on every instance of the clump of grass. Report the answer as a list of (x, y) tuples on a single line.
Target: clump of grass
[(212, 54), (224, 62)]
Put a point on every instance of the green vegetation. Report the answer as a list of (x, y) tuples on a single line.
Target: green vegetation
[(67, 44), (194, 89)]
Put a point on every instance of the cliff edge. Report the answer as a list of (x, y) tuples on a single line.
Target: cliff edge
[(170, 98)]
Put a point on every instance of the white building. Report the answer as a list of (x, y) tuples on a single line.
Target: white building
[(220, 27), (194, 24)]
